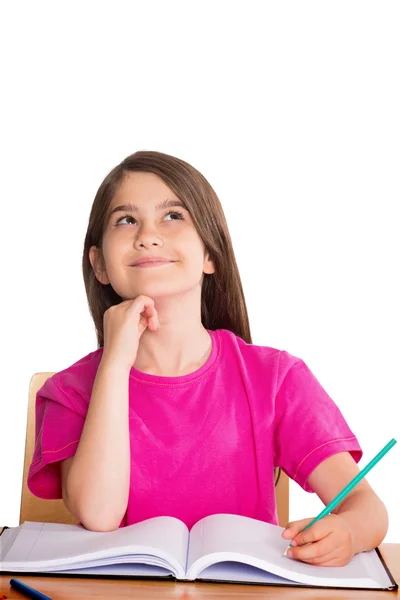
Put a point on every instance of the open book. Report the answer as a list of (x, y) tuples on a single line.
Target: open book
[(223, 547)]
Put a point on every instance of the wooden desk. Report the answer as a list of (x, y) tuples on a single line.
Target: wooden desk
[(68, 588)]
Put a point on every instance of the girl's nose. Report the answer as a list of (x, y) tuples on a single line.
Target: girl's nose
[(148, 238)]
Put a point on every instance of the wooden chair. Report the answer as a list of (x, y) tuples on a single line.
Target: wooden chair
[(54, 511), (32, 507)]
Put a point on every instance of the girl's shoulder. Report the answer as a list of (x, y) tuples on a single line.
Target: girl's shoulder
[(78, 378), (256, 355)]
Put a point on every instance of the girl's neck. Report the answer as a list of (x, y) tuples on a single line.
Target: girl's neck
[(175, 349)]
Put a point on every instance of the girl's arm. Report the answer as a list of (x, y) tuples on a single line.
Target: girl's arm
[(96, 480)]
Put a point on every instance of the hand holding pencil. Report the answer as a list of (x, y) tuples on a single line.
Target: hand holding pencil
[(328, 543), (328, 539)]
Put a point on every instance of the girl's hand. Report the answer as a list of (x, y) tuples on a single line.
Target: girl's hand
[(328, 543), (124, 324)]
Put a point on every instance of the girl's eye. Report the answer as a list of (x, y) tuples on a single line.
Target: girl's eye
[(175, 212), (171, 212), (124, 217)]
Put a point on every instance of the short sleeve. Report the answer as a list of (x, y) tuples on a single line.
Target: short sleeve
[(60, 416), (309, 427)]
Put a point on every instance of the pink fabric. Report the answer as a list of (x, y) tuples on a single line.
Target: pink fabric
[(201, 443)]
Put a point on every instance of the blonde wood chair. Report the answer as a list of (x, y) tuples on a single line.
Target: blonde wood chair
[(54, 511), (32, 507)]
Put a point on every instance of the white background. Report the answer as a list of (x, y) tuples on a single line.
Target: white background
[(291, 111)]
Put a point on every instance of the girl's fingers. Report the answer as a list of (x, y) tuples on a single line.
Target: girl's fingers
[(294, 527), (149, 315), (142, 304), (325, 560), (152, 320), (323, 547), (316, 532), (336, 560), (148, 310)]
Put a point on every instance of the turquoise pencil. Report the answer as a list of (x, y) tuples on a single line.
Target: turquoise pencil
[(329, 507)]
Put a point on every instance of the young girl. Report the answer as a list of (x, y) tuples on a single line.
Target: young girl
[(177, 412)]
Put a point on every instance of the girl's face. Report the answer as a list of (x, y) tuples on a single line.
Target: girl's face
[(138, 227)]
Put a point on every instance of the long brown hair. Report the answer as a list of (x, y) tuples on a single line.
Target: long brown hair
[(223, 304)]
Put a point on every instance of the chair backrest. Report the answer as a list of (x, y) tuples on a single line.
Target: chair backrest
[(32, 507), (54, 511)]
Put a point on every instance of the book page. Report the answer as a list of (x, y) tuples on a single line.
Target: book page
[(121, 570), (225, 537), (242, 573), (46, 546), (6, 540)]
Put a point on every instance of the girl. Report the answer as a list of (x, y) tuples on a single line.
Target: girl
[(177, 412)]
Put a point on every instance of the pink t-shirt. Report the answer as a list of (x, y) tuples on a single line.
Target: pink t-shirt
[(201, 443)]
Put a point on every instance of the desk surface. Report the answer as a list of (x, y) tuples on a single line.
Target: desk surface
[(71, 588)]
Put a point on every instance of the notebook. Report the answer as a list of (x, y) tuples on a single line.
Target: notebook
[(219, 548)]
